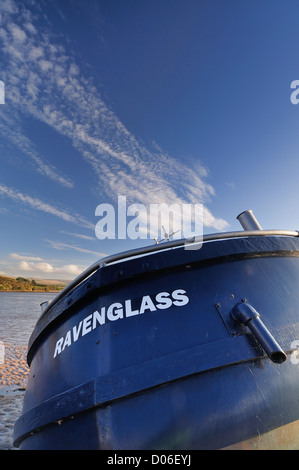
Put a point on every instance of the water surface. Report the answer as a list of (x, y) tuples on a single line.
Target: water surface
[(19, 312)]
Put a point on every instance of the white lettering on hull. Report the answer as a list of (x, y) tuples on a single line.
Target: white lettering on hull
[(117, 311)]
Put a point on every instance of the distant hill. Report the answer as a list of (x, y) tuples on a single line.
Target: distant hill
[(30, 285)]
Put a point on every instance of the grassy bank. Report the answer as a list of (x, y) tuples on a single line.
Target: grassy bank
[(28, 285)]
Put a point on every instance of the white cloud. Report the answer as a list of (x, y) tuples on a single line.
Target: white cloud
[(35, 53), (79, 235), (45, 65), (71, 269), (8, 6), (46, 82), (11, 129), (65, 246), (74, 69), (24, 257), (17, 264), (31, 266), (18, 34), (45, 268), (40, 205), (30, 28)]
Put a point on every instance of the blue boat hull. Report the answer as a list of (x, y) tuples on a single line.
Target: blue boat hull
[(145, 354)]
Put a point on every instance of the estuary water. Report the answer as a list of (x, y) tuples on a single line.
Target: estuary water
[(19, 312)]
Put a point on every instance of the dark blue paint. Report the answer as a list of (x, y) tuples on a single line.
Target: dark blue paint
[(180, 378)]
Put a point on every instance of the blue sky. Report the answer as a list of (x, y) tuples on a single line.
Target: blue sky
[(168, 101)]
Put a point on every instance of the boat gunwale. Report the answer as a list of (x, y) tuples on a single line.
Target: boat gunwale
[(125, 255)]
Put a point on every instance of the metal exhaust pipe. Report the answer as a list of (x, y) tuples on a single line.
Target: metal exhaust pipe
[(248, 221), (244, 313)]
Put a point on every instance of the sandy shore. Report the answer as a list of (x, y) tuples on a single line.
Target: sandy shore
[(13, 378)]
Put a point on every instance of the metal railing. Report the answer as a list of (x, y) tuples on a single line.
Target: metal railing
[(119, 257)]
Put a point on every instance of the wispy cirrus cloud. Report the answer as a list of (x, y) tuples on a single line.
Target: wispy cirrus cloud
[(40, 205), (12, 130), (22, 83), (66, 246), (78, 235), (45, 81), (25, 257)]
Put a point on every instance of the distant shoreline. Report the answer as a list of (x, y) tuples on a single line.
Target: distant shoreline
[(32, 291), (21, 284)]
